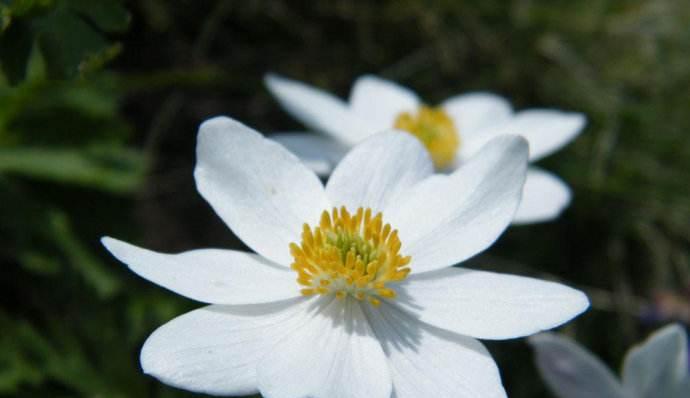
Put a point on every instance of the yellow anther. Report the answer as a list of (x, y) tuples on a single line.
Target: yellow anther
[(352, 254), (436, 130)]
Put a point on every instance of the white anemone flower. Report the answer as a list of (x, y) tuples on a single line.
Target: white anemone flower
[(452, 132), (656, 368), (351, 292)]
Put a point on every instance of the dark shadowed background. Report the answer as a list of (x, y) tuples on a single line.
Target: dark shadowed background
[(100, 102)]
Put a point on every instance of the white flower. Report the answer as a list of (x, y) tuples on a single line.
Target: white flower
[(656, 368), (350, 293), (453, 132)]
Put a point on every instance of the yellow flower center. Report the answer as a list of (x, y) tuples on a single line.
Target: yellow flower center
[(349, 254), (436, 130)]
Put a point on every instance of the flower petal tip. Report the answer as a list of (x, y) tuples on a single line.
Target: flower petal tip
[(511, 143), (520, 144), (576, 122), (111, 244), (577, 304), (275, 82), (584, 302), (119, 249), (573, 306), (215, 132), (220, 122), (539, 339), (271, 77)]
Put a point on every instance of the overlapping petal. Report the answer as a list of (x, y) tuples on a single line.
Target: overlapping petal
[(488, 305), (472, 112), (216, 349), (570, 371), (319, 110), (658, 367), (379, 101), (321, 154), (377, 171), (210, 275), (335, 354), (286, 346), (546, 130), (447, 219), (260, 189), (429, 362), (544, 197)]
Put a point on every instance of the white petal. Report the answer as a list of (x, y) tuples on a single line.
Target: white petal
[(210, 275), (321, 154), (682, 390), (380, 101), (544, 197), (215, 349), (447, 219), (430, 362), (472, 112), (571, 371), (658, 366), (260, 189), (319, 110), (546, 130), (379, 170), (488, 305), (335, 355)]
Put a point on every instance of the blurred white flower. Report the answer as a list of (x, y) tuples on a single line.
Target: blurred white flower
[(452, 132), (351, 293), (658, 368)]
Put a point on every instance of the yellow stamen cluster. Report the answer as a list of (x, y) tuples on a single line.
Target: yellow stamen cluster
[(349, 254), (436, 130)]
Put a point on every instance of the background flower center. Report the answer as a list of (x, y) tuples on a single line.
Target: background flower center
[(349, 254), (436, 130)]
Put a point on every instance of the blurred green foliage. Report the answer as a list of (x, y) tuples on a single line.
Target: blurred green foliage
[(100, 100), (68, 33)]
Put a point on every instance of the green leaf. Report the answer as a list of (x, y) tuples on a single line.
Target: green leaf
[(95, 272), (115, 170), (17, 364), (67, 41), (107, 15), (68, 32), (39, 263), (15, 50)]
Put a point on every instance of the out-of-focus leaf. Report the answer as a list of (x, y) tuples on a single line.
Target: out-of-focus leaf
[(118, 170), (95, 272), (39, 263), (659, 366), (62, 114), (15, 48), (17, 366), (31, 356), (107, 15), (70, 34), (570, 371), (43, 240), (11, 9), (67, 42)]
